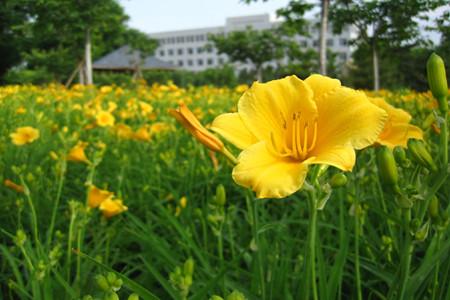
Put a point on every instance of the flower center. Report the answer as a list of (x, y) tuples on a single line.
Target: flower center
[(297, 139)]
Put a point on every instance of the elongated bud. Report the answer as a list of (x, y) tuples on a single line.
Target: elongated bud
[(220, 195), (189, 267), (338, 180), (101, 282), (133, 296), (433, 209), (111, 278), (111, 296), (437, 80), (420, 154), (215, 297), (388, 168), (236, 295)]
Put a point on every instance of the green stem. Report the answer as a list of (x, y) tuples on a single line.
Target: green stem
[(33, 212), (435, 283), (69, 243), (230, 230), (56, 204), (406, 253), (259, 254), (444, 143), (220, 252), (311, 256), (357, 274)]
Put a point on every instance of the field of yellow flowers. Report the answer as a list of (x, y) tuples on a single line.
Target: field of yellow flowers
[(107, 196)]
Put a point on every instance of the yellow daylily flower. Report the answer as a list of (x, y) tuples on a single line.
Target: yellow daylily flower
[(24, 135), (77, 153), (285, 125), (105, 118), (111, 207), (397, 130), (196, 129), (98, 196)]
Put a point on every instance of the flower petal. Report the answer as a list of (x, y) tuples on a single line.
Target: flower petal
[(267, 175), (398, 135), (347, 118), (321, 84), (231, 127), (342, 158), (270, 106)]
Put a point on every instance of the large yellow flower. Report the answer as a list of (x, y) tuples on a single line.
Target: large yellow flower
[(285, 125), (397, 130), (105, 118), (24, 135), (77, 153), (111, 207)]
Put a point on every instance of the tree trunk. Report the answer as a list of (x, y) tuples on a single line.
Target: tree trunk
[(88, 57), (376, 73), (259, 73), (323, 38)]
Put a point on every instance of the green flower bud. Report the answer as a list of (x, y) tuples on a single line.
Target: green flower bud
[(415, 225), (220, 196), (189, 267), (437, 80), (236, 295), (188, 280), (111, 278), (422, 233), (215, 297), (420, 154), (388, 168), (133, 296), (399, 154), (338, 180), (111, 296), (117, 284), (101, 282), (433, 208)]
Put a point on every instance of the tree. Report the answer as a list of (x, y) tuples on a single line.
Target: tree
[(393, 23), (255, 47)]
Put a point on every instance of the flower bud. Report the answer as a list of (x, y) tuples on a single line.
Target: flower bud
[(338, 180), (236, 295), (433, 208), (111, 278), (133, 296), (415, 225), (420, 154), (111, 296), (399, 154), (437, 80), (215, 297), (388, 168), (189, 267), (101, 282)]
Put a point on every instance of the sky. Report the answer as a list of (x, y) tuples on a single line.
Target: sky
[(152, 16)]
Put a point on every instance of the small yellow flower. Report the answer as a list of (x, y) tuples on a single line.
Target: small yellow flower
[(24, 135), (39, 99), (397, 130), (13, 186), (196, 129), (21, 110), (105, 89), (284, 126), (143, 133), (111, 207), (77, 153), (123, 131), (105, 118), (98, 196), (53, 155)]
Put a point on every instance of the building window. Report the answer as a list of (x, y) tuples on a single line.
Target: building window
[(200, 62), (329, 42), (189, 62), (170, 52), (190, 51), (343, 42), (209, 49), (180, 51), (315, 43), (210, 62), (199, 37), (343, 56), (303, 43), (220, 60), (180, 63), (161, 52), (180, 39), (200, 50)]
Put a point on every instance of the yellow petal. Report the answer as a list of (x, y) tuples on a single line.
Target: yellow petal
[(270, 106), (398, 135), (231, 127), (347, 118), (322, 84), (342, 158), (395, 115), (267, 175)]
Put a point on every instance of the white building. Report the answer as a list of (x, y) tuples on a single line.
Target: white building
[(186, 48)]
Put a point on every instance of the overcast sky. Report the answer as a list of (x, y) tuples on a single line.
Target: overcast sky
[(151, 16)]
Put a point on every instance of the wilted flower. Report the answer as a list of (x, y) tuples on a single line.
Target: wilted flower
[(24, 135), (284, 126)]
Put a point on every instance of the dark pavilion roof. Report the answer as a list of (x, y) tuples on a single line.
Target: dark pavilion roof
[(125, 59)]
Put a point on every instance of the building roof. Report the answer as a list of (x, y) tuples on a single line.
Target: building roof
[(126, 59)]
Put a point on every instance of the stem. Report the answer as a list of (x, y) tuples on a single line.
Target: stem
[(311, 255), (435, 283), (230, 230), (56, 204), (444, 143), (33, 211), (220, 251), (259, 255), (407, 252), (357, 274)]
